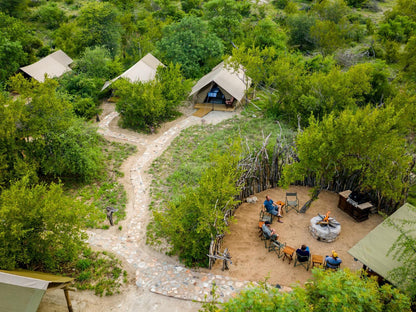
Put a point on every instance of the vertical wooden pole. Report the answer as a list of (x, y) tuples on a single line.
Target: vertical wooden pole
[(68, 301)]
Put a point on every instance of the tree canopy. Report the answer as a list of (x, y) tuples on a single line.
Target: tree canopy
[(326, 291)]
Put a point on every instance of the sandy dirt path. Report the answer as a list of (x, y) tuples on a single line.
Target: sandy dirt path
[(129, 243)]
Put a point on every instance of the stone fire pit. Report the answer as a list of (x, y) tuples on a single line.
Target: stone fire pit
[(324, 229)]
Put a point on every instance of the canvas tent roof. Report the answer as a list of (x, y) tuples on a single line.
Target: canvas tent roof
[(372, 250), (22, 291), (232, 81), (144, 70), (53, 65)]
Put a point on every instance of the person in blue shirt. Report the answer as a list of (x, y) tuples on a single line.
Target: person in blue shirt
[(333, 262), (273, 208), (303, 251)]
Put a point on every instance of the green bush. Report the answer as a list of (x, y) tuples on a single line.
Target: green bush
[(43, 228), (198, 216)]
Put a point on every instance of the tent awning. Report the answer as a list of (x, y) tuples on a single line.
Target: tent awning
[(373, 249), (22, 291)]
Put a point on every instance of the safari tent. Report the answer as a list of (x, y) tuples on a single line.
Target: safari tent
[(22, 291), (373, 249), (53, 65), (144, 70), (223, 86)]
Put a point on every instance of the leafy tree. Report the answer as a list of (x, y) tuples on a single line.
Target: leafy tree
[(357, 3), (139, 104), (361, 147), (198, 216), (400, 29), (46, 135), (193, 6), (225, 16), (167, 9), (408, 60), (327, 291), (327, 36), (266, 33), (99, 24), (406, 7), (143, 106), (16, 36), (50, 15), (72, 152), (96, 62), (14, 7), (11, 57), (331, 10), (299, 31), (66, 37), (174, 87), (40, 227), (190, 44)]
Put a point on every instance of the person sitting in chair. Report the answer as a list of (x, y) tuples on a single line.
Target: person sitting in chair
[(273, 208), (268, 231), (303, 251), (333, 262)]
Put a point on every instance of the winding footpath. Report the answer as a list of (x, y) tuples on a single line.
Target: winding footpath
[(156, 272)]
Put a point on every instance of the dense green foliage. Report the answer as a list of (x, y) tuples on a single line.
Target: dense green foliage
[(40, 227), (145, 105), (190, 44), (354, 145), (198, 216), (327, 291), (43, 138)]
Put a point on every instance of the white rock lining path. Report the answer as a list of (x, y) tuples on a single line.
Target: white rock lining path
[(154, 272)]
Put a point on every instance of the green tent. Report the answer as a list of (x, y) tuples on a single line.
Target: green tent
[(22, 291), (373, 249)]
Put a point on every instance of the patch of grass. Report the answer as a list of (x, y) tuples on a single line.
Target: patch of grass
[(106, 191), (99, 271), (183, 163)]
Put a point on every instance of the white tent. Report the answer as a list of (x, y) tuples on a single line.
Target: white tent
[(144, 70), (53, 65), (232, 83)]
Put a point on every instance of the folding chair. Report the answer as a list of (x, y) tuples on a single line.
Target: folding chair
[(292, 202), (302, 260), (265, 216), (335, 268), (277, 247)]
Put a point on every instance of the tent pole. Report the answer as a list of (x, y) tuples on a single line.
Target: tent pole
[(68, 301)]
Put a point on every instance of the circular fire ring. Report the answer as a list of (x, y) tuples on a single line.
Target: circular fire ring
[(324, 232)]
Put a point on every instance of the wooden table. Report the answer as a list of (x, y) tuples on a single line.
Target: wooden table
[(288, 253), (316, 259)]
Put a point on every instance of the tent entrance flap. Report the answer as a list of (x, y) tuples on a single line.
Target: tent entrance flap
[(215, 96)]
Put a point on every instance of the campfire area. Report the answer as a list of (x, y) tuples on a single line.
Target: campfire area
[(252, 261)]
